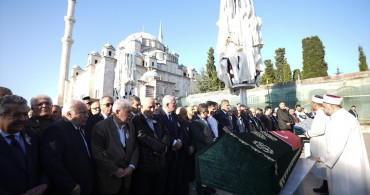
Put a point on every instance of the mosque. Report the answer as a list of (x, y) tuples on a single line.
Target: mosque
[(140, 65)]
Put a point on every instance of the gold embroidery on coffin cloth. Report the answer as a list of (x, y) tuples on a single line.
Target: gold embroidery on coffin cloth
[(257, 150)]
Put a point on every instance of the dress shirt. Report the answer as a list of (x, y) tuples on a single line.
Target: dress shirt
[(16, 136), (213, 122), (104, 116), (149, 121), (121, 133)]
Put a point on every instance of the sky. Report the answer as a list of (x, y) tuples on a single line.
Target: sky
[(31, 32)]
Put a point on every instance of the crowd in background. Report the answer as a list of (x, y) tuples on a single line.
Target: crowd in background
[(135, 146)]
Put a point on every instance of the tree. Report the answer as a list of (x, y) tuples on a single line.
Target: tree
[(297, 75), (314, 64), (269, 76), (201, 83), (338, 71), (363, 65), (211, 72), (283, 72)]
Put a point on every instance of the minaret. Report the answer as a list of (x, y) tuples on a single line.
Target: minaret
[(160, 36), (66, 52)]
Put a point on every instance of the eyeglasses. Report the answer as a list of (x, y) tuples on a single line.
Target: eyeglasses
[(108, 104), (42, 103), (157, 104), (97, 108)]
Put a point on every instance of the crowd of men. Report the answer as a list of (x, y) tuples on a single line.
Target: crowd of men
[(135, 146)]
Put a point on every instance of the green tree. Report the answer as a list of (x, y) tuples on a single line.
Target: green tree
[(201, 82), (363, 65), (214, 82), (297, 74), (269, 76), (283, 72), (314, 64)]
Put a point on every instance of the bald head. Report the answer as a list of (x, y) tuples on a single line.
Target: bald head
[(147, 107)]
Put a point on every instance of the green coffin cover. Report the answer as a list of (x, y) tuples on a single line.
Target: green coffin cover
[(246, 163)]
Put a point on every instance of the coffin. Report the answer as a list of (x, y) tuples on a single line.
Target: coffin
[(249, 163)]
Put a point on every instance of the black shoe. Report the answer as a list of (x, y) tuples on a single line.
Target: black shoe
[(321, 190)]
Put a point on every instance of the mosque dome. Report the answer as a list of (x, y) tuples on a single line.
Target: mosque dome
[(150, 74), (142, 35), (108, 46), (94, 53), (76, 67)]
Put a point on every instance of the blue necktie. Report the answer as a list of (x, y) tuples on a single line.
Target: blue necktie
[(17, 150)]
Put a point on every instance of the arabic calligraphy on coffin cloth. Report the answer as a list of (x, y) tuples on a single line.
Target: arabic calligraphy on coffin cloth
[(249, 163)]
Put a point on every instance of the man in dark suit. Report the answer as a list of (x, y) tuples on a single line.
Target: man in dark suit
[(223, 118), (260, 119), (353, 112), (114, 150), (20, 170), (169, 118), (241, 120), (202, 135), (185, 153), (265, 118), (254, 124), (154, 142), (284, 119), (106, 104), (65, 153)]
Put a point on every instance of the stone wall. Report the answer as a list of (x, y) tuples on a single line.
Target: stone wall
[(353, 87)]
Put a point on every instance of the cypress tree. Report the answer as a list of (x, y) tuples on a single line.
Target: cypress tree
[(283, 72), (297, 74), (269, 76), (214, 82), (363, 64), (314, 64)]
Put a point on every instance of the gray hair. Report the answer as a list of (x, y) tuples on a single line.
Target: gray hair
[(5, 101), (121, 105), (167, 99), (43, 96), (70, 106), (105, 97)]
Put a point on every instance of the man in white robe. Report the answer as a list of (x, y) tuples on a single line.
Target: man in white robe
[(318, 140), (348, 169)]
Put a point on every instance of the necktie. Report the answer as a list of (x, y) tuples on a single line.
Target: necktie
[(83, 139), (170, 117), (17, 150)]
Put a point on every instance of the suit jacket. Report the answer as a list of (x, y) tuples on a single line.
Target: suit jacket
[(223, 120), (65, 158), (353, 113), (14, 177), (252, 123), (151, 143), (90, 123), (235, 124), (187, 137), (109, 154), (267, 122), (246, 125), (260, 124), (284, 118), (274, 122), (201, 133)]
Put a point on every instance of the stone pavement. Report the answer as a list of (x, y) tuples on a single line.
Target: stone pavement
[(311, 181)]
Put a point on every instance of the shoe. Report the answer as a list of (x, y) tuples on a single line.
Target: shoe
[(321, 190)]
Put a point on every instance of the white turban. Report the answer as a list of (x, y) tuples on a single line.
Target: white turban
[(316, 99), (332, 99)]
